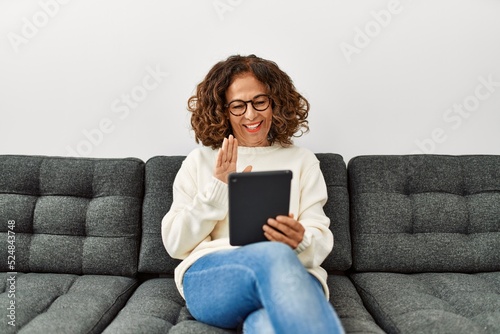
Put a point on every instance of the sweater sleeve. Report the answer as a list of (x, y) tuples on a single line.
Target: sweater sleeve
[(195, 210), (318, 239)]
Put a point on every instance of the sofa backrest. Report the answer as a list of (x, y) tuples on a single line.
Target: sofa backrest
[(160, 175), (71, 215), (337, 209), (159, 179), (420, 213)]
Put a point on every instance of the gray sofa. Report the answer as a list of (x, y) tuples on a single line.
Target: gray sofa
[(417, 245)]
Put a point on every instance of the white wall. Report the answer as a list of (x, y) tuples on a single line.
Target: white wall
[(383, 77)]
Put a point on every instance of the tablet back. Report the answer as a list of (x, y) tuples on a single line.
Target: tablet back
[(253, 198)]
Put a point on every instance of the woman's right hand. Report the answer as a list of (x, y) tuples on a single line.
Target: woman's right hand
[(226, 159)]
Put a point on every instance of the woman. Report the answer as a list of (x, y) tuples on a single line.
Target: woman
[(245, 113)]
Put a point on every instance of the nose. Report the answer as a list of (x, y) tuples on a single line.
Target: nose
[(251, 113)]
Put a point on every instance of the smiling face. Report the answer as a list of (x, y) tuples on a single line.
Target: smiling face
[(252, 127)]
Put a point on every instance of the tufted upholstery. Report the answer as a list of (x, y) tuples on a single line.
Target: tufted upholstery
[(425, 213), (63, 303), (160, 175), (425, 244), (349, 306), (74, 216), (337, 209), (433, 302), (156, 307), (428, 229), (77, 225)]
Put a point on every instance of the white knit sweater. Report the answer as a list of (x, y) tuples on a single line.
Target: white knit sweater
[(197, 222)]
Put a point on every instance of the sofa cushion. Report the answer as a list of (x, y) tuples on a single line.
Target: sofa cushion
[(157, 307), (63, 303), (349, 306), (425, 213), (160, 175), (432, 302), (71, 215), (337, 209)]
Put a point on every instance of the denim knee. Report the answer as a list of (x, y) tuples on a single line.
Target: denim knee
[(258, 322), (278, 265)]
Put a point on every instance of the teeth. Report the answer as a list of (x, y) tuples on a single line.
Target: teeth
[(253, 127)]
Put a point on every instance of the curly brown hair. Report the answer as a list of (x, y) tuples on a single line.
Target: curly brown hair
[(210, 119)]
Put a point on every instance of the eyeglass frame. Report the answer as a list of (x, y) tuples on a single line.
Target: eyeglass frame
[(247, 102)]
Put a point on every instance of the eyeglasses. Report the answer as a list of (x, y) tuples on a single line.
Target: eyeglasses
[(239, 107)]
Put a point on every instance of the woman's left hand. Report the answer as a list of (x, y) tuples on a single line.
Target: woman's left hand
[(284, 229)]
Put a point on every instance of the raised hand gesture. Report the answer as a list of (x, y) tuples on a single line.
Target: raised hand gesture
[(226, 159)]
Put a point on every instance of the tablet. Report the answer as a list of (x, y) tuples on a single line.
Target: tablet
[(255, 197)]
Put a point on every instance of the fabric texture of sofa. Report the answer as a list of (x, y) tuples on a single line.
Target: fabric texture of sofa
[(426, 241), (417, 245)]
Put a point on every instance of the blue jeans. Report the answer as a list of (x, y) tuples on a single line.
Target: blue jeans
[(263, 286)]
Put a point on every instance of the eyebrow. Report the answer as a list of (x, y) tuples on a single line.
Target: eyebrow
[(247, 100)]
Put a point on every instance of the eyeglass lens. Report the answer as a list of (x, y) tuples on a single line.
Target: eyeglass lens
[(259, 103)]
